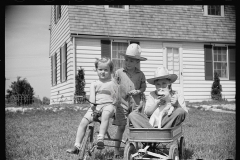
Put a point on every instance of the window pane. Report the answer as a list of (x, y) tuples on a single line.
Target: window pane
[(117, 48), (173, 64), (219, 57), (214, 10), (116, 6), (224, 57)]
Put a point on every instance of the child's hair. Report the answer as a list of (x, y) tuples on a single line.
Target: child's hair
[(104, 60)]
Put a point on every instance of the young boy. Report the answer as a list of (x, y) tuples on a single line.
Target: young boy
[(163, 81), (132, 82), (104, 92)]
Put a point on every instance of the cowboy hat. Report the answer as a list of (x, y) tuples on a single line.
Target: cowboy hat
[(162, 73), (134, 51)]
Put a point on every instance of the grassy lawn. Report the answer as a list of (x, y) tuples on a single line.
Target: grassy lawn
[(46, 135)]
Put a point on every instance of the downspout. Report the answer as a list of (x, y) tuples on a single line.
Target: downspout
[(74, 68)]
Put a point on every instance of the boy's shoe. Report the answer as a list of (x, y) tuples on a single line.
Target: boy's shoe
[(100, 144), (117, 156), (74, 150)]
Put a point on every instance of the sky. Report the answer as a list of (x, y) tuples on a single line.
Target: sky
[(27, 39)]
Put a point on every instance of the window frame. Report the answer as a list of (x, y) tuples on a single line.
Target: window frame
[(118, 41), (227, 60), (231, 61), (126, 7), (57, 13), (205, 11), (63, 63), (54, 69), (180, 50), (177, 48)]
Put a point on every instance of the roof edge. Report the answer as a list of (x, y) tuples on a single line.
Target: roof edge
[(147, 38)]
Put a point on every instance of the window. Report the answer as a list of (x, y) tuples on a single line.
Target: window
[(54, 69), (113, 49), (57, 13), (117, 7), (220, 59), (173, 62), (117, 48), (214, 10), (63, 63)]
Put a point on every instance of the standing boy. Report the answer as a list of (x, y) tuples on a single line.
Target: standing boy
[(132, 82)]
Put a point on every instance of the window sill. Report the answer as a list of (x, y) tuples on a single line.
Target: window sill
[(216, 16)]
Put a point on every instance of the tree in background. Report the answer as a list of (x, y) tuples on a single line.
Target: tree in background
[(216, 88), (46, 101), (22, 91), (80, 84)]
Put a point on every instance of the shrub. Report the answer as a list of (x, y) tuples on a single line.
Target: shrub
[(46, 101), (216, 88), (80, 84), (22, 91)]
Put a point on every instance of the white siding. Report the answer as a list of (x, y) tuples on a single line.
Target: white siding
[(64, 89), (87, 50), (195, 87), (154, 53), (60, 34), (60, 31)]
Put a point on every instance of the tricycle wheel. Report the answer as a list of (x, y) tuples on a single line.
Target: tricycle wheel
[(173, 152), (87, 146), (129, 150), (182, 148)]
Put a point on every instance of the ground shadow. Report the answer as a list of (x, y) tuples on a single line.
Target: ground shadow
[(188, 153)]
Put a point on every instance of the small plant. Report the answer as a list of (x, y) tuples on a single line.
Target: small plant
[(216, 88), (46, 101), (80, 84)]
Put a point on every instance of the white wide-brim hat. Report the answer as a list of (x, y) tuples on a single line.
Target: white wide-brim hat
[(162, 73), (134, 51)]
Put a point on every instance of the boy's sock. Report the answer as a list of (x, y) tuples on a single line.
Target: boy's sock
[(78, 145), (100, 143)]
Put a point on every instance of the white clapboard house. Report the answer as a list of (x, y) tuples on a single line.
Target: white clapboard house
[(192, 41)]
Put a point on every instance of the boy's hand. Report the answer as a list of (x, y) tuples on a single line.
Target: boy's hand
[(134, 92), (174, 100)]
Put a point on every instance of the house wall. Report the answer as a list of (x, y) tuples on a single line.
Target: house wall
[(87, 50), (195, 87), (62, 92)]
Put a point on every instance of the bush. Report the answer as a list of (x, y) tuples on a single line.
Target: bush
[(80, 84), (46, 101), (21, 91), (216, 88)]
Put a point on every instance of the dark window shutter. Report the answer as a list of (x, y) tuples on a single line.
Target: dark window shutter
[(59, 13), (55, 13), (140, 46), (52, 70), (231, 57), (65, 61), (106, 48), (55, 68), (208, 62), (61, 65)]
